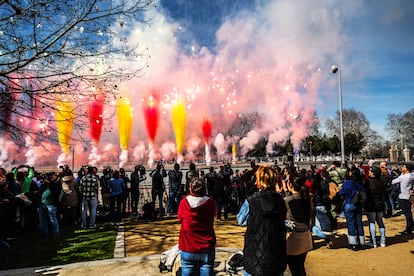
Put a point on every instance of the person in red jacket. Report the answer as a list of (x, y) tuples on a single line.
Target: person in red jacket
[(197, 240)]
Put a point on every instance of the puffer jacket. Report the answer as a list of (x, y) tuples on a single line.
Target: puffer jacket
[(265, 239)]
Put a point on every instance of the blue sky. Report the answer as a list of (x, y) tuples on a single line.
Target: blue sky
[(372, 42)]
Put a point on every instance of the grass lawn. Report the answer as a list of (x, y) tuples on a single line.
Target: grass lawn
[(28, 249)]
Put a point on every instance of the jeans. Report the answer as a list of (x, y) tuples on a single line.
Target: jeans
[(48, 213), (115, 205), (372, 218), (197, 263), (134, 202), (405, 206), (90, 204), (172, 202), (324, 219), (353, 217), (222, 203)]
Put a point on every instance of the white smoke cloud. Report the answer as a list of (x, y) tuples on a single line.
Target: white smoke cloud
[(248, 142), (270, 60)]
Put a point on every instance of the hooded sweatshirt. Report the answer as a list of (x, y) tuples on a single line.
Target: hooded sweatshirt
[(196, 215)]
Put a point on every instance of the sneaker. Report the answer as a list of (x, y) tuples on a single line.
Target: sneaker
[(382, 244), (329, 245), (92, 226)]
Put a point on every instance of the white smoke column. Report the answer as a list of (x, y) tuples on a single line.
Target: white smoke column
[(94, 157), (63, 159), (167, 150), (150, 155), (123, 157), (192, 145), (220, 144), (276, 137), (180, 159), (139, 152), (109, 153), (30, 154), (247, 143), (208, 156), (3, 152)]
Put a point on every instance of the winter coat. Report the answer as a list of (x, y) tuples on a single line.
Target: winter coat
[(265, 239), (196, 215), (375, 195)]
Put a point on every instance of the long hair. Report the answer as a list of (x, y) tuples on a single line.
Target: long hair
[(299, 185)]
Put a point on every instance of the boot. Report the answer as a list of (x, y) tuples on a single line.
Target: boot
[(353, 243), (362, 242), (373, 234), (382, 237)]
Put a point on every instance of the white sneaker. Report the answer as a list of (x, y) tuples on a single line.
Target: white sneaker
[(382, 244)]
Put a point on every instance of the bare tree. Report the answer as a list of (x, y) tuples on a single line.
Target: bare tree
[(67, 50), (400, 127)]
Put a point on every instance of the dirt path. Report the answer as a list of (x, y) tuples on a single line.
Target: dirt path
[(397, 258)]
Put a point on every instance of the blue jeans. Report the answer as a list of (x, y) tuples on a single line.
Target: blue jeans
[(353, 217), (197, 263), (48, 213), (372, 218), (172, 202), (323, 219), (90, 204)]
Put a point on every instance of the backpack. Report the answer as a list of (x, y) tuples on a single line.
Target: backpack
[(235, 263), (333, 189), (359, 198), (169, 260)]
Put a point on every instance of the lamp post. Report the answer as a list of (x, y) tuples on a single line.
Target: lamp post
[(335, 69), (310, 150)]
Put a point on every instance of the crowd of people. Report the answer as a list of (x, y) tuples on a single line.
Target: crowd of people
[(281, 207)]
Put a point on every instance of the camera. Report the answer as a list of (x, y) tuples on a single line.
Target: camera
[(107, 172), (140, 169)]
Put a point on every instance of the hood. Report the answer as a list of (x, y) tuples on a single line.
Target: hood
[(196, 201)]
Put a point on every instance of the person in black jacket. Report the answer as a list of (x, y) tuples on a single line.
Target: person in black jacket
[(158, 186), (374, 206), (265, 239)]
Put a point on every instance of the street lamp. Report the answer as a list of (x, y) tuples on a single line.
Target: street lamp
[(310, 150), (335, 69)]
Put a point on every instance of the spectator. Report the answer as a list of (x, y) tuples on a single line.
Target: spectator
[(298, 218), (190, 174), (70, 199), (137, 176), (117, 187), (221, 194), (197, 238), (158, 186), (88, 188), (265, 239), (174, 182), (126, 198), (51, 189), (353, 213), (337, 173), (7, 212), (375, 205), (324, 221), (406, 181)]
